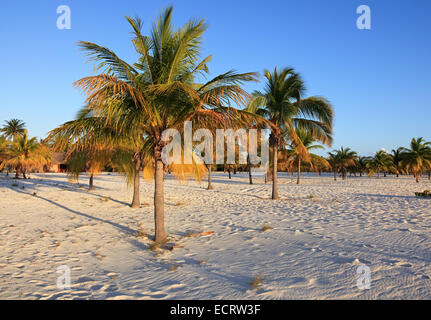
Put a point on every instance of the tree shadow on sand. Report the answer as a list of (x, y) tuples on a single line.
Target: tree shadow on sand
[(31, 184), (120, 227)]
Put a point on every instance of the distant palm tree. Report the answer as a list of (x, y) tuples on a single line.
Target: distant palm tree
[(295, 156), (361, 164), (397, 156), (26, 154), (92, 144), (13, 128), (282, 104), (4, 146), (341, 159), (418, 157), (381, 162)]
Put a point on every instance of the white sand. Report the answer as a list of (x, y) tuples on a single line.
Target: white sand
[(312, 250)]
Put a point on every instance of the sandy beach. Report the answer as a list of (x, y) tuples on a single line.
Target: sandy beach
[(317, 235)]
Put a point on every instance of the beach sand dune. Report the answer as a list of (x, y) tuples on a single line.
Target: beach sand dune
[(308, 245)]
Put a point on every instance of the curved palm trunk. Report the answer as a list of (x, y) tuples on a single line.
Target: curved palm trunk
[(299, 172), (210, 186), (90, 182), (274, 172), (136, 202), (159, 210)]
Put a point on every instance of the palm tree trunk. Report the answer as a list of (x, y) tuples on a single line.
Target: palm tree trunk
[(299, 172), (429, 175), (136, 202), (210, 186), (250, 178), (266, 176), (228, 170), (335, 175), (90, 182), (416, 176), (159, 210), (274, 171)]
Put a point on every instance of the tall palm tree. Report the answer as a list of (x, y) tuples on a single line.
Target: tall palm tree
[(26, 154), (341, 159), (13, 128), (296, 157), (381, 162), (282, 104), (418, 157), (161, 90)]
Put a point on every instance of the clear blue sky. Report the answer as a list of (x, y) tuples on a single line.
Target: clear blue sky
[(378, 80)]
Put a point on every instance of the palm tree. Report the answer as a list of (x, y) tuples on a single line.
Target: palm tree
[(4, 148), (341, 159), (361, 164), (26, 154), (418, 157), (13, 128), (295, 156), (161, 90), (92, 144), (381, 162), (282, 104), (397, 156)]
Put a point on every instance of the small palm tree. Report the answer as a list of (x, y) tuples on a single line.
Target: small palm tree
[(26, 154), (397, 156), (381, 162), (361, 164), (92, 144), (295, 156), (4, 146), (341, 159), (417, 158), (283, 106), (13, 128)]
